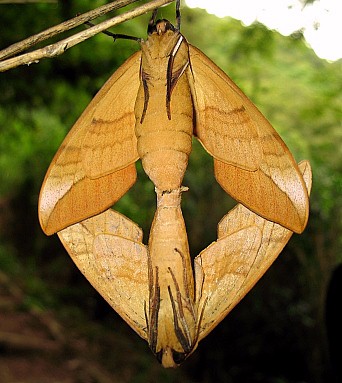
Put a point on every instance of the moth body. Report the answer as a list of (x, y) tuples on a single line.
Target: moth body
[(164, 114), (172, 318)]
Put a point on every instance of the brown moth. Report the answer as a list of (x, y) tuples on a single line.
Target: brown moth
[(150, 108), (154, 288)]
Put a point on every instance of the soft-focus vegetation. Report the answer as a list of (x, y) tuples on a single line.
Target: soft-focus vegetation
[(278, 333)]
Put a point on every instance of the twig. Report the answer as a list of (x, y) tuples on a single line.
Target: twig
[(60, 47), (65, 26)]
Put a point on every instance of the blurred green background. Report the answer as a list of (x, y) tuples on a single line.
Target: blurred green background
[(54, 327)]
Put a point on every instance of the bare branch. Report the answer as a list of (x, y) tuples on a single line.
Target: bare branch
[(63, 45), (65, 26)]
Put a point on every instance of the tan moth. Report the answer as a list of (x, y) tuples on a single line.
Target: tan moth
[(154, 288), (150, 109)]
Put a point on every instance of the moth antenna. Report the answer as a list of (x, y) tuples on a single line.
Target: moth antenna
[(178, 14), (152, 21)]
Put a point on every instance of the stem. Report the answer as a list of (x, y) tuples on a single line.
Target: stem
[(60, 47)]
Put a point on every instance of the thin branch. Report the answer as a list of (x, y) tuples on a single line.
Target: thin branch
[(65, 26), (59, 48)]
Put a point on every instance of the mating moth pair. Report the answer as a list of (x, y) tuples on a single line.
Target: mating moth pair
[(150, 109)]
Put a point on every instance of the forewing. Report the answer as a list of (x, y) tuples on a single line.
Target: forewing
[(110, 142), (224, 124), (80, 182), (222, 276), (252, 163), (107, 249)]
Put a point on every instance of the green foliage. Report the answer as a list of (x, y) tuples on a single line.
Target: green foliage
[(26, 145)]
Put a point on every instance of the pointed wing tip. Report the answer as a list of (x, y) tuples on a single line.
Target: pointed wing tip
[(51, 223), (47, 230), (305, 168), (48, 227), (44, 223), (306, 171), (298, 228), (47, 220), (303, 210)]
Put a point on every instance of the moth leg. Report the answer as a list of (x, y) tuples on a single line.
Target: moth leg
[(184, 339), (154, 306), (188, 299), (172, 78), (144, 78), (200, 318), (116, 36)]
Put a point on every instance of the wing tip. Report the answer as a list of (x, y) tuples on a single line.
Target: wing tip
[(306, 172)]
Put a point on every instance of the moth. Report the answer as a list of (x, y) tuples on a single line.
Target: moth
[(150, 108), (154, 289)]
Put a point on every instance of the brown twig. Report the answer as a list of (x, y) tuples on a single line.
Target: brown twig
[(65, 26), (60, 47)]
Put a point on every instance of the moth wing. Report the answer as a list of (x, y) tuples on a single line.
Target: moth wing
[(110, 142), (225, 276), (275, 236), (107, 249), (221, 270), (251, 161), (224, 126), (94, 166)]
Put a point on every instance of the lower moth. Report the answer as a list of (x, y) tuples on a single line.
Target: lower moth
[(154, 288), (151, 108)]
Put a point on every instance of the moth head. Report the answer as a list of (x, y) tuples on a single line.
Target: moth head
[(171, 358), (160, 27)]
